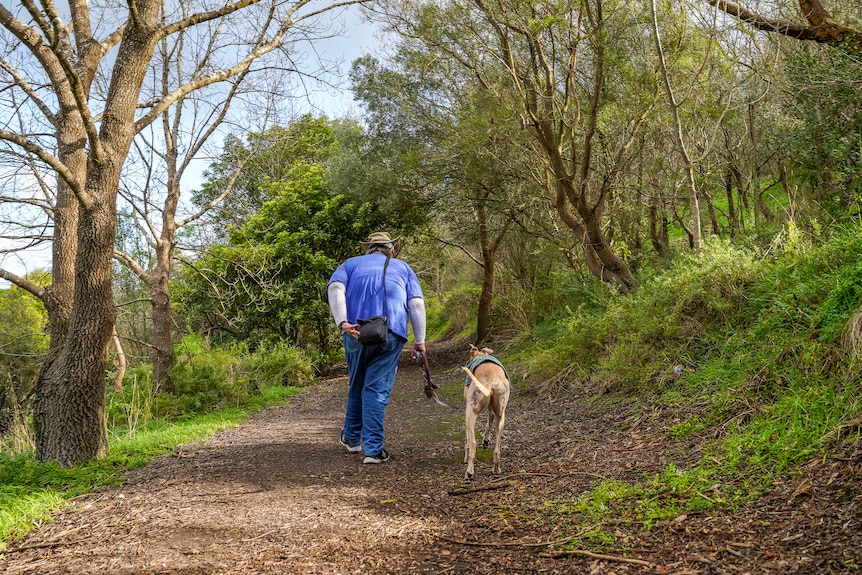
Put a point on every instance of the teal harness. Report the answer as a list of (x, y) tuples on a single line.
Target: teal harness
[(482, 359)]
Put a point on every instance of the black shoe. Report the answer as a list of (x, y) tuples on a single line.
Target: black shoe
[(378, 458), (351, 448)]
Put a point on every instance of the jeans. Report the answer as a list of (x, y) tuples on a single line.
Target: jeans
[(372, 371)]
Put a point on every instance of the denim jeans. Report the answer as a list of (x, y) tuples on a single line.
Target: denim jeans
[(372, 371)]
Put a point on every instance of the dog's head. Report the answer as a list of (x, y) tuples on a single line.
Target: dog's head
[(476, 352)]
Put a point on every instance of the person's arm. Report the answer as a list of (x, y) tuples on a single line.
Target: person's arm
[(416, 308), (336, 293)]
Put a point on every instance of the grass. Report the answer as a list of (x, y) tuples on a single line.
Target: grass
[(31, 491)]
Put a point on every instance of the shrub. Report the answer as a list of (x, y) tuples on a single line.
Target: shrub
[(207, 378), (277, 365)]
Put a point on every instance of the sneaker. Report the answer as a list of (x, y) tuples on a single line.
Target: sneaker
[(351, 448), (379, 458)]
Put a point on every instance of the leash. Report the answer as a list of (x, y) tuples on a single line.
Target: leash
[(422, 361)]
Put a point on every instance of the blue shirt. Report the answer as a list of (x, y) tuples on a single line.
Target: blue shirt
[(362, 277)]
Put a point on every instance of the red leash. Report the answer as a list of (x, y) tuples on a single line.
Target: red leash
[(422, 361)]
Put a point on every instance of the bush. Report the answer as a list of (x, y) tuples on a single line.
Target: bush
[(277, 365), (675, 319), (133, 407), (205, 378)]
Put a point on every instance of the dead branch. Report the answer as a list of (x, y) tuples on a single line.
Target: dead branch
[(590, 554)]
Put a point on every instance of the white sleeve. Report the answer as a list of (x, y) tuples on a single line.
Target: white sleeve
[(416, 306), (336, 293)]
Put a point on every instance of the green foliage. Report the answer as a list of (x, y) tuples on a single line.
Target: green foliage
[(206, 378), (746, 352), (23, 338), (672, 320), (265, 157), (278, 365), (824, 135), (450, 313), (269, 279)]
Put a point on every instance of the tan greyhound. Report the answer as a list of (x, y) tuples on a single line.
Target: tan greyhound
[(486, 388)]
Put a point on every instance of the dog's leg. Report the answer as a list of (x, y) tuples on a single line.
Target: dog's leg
[(500, 421), (500, 410), (486, 437), (470, 443)]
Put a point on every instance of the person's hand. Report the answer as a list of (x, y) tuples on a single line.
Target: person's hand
[(351, 329), (418, 347)]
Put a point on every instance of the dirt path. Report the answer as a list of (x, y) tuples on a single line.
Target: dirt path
[(280, 495)]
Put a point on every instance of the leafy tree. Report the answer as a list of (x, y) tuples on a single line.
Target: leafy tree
[(244, 167), (564, 71), (268, 281), (23, 341), (823, 135)]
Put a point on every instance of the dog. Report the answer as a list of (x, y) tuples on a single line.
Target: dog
[(486, 388)]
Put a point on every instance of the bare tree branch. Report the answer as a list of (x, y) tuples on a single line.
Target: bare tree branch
[(821, 28), (23, 283), (55, 164)]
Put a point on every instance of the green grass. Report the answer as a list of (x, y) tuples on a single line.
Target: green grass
[(31, 491)]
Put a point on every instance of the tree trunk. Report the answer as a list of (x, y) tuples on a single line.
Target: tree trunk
[(483, 317), (731, 204), (688, 164), (658, 226), (743, 203), (121, 361), (163, 340), (69, 410)]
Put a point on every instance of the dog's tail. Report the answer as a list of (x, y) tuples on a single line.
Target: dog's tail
[(485, 391)]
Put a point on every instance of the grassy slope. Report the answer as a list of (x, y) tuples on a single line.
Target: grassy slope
[(755, 350)]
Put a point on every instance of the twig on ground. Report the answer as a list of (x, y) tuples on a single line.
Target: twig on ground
[(262, 535), (592, 555), (500, 543)]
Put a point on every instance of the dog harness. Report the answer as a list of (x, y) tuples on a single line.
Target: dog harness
[(482, 359)]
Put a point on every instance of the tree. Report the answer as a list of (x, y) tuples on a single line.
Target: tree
[(550, 64), (83, 136), (244, 168), (452, 152), (682, 148), (267, 282)]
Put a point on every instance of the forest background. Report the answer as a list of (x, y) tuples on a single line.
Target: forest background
[(653, 201)]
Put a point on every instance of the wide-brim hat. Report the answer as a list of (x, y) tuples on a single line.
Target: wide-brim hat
[(382, 239)]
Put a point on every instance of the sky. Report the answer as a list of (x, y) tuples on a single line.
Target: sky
[(359, 38)]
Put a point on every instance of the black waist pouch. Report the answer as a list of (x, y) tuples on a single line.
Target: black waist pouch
[(373, 330)]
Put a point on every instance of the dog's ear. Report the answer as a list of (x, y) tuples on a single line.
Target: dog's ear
[(473, 347), (487, 350)]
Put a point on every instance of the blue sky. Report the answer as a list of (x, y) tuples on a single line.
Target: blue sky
[(358, 39)]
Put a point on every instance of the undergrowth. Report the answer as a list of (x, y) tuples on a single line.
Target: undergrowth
[(750, 350)]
